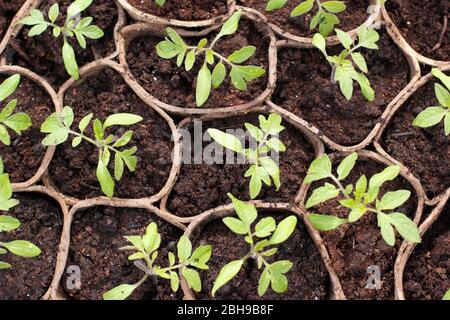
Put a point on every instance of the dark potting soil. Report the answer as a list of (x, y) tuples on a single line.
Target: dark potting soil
[(97, 234), (174, 85), (8, 8), (427, 273), (24, 156), (304, 88), (41, 223), (183, 10), (42, 54), (355, 247), (351, 18), (426, 152), (308, 278), (421, 23), (201, 187), (73, 170)]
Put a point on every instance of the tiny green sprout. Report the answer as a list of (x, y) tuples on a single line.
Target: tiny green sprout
[(343, 68), (447, 296), (160, 3), (360, 199), (20, 248), (58, 128), (74, 26), (146, 248), (263, 169), (17, 122), (174, 46), (273, 273), (325, 17), (431, 116)]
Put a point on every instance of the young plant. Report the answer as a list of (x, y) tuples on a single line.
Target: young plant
[(146, 248), (174, 46), (431, 116), (17, 122), (343, 65), (360, 199), (325, 17), (58, 128), (74, 26), (20, 248), (263, 169), (263, 240), (447, 296)]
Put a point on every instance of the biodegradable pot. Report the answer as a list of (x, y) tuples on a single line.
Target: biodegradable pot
[(55, 291), (94, 68), (373, 17), (149, 18), (407, 248), (364, 155), (407, 47), (384, 118), (397, 106), (9, 70), (63, 208), (133, 31), (228, 210), (311, 138)]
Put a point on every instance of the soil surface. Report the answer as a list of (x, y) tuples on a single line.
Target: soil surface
[(97, 234), (25, 154), (313, 97), (73, 170), (41, 223), (421, 23), (308, 278), (354, 248), (205, 186), (351, 18), (42, 54), (183, 10), (175, 86), (426, 152), (427, 273), (8, 8)]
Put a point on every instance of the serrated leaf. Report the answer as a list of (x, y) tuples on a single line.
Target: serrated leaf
[(319, 169), (325, 222), (322, 194), (242, 54)]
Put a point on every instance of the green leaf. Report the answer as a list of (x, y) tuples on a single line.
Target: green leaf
[(22, 248), (441, 76), (360, 61), (343, 75), (92, 32), (37, 29), (279, 282), (218, 75), (105, 179), (4, 135), (387, 231), (184, 248), (344, 38), (160, 2), (377, 180), (302, 8), (357, 212), (431, 116), (334, 6), (327, 22), (347, 165), (137, 256), (227, 140), (242, 54), (264, 282), (319, 42), (121, 119), (322, 194), (275, 5), (193, 279), (325, 222), (53, 12), (227, 273), (406, 227), (8, 110), (442, 95), (368, 37), (201, 256), (284, 230), (276, 144), (70, 61), (447, 124), (203, 86), (120, 292), (136, 241), (168, 50), (231, 25), (255, 132), (8, 223), (245, 211), (4, 265), (174, 281), (8, 86), (319, 169), (265, 227), (281, 266), (124, 139), (76, 7), (236, 225), (152, 239), (190, 60), (447, 296), (393, 199)]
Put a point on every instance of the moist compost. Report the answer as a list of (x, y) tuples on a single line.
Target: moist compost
[(8, 8), (25, 154), (41, 223), (304, 88), (175, 86), (355, 247), (183, 10), (73, 170), (426, 152), (351, 18), (42, 54), (427, 271), (97, 234), (308, 278), (421, 23), (201, 187)]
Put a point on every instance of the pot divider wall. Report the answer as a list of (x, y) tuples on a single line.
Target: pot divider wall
[(149, 18), (133, 31), (396, 34), (9, 70), (228, 210), (96, 67), (398, 105)]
